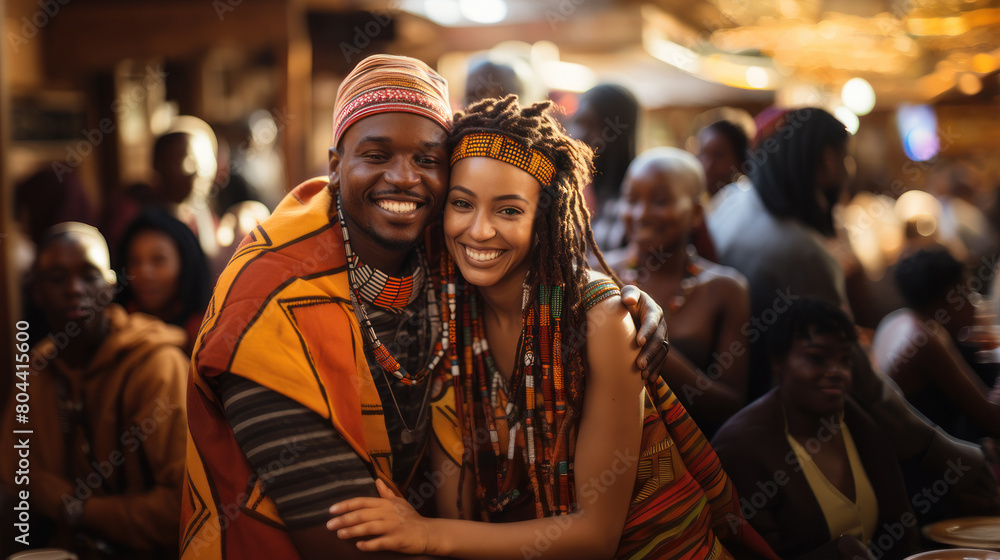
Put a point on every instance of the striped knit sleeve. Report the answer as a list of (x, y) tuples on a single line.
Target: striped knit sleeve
[(305, 465)]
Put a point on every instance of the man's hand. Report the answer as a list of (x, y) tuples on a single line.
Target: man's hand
[(651, 334)]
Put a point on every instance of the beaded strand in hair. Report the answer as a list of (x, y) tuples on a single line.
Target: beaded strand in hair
[(549, 361)]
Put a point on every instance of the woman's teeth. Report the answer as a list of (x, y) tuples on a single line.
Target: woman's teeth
[(397, 207), (482, 256)]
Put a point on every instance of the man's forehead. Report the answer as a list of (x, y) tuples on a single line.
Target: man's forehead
[(392, 127), (89, 251)]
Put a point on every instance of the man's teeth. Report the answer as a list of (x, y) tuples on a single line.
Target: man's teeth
[(397, 207), (481, 256)]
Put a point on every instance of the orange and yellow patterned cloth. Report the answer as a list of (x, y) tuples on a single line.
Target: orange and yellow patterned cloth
[(281, 317)]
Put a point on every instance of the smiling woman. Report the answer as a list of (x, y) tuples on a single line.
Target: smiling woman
[(490, 233), (819, 473), (164, 272)]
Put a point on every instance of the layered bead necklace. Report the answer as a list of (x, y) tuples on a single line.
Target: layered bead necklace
[(543, 428), (393, 294)]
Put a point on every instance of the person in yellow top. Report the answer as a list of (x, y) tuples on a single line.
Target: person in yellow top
[(816, 476)]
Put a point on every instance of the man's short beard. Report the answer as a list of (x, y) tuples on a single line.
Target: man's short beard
[(387, 243)]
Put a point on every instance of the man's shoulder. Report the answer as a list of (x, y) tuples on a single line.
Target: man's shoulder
[(301, 240), (306, 211)]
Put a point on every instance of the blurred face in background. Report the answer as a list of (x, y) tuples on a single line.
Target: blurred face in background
[(659, 208), (71, 282), (586, 126), (832, 175), (153, 269), (176, 165), (815, 376), (718, 156)]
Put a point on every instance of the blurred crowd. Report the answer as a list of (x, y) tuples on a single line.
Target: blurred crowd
[(778, 278)]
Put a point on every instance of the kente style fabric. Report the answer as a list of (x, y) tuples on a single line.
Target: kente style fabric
[(281, 317), (684, 506)]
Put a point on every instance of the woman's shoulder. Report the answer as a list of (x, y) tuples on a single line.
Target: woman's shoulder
[(606, 315), (720, 276), (726, 285)]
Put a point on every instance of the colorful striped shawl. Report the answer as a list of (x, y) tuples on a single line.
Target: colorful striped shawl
[(280, 316)]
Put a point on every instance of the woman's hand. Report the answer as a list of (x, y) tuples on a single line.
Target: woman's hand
[(389, 520), (652, 331)]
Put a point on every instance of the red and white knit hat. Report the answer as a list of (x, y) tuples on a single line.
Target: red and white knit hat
[(385, 83)]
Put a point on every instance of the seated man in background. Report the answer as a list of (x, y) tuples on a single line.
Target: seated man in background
[(106, 418), (924, 347), (819, 473)]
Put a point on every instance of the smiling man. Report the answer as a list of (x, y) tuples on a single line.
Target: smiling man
[(297, 399)]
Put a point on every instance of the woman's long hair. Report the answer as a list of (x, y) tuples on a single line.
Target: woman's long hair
[(559, 260), (193, 283), (782, 165)]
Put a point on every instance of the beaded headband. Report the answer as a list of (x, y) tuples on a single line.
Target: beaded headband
[(502, 148)]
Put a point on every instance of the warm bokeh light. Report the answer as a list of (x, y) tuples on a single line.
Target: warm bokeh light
[(757, 77), (484, 11), (984, 63), (567, 76), (921, 208), (970, 84), (445, 12), (849, 119), (858, 96)]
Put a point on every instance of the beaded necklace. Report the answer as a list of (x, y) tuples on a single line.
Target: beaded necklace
[(689, 279), (545, 430), (393, 293)]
